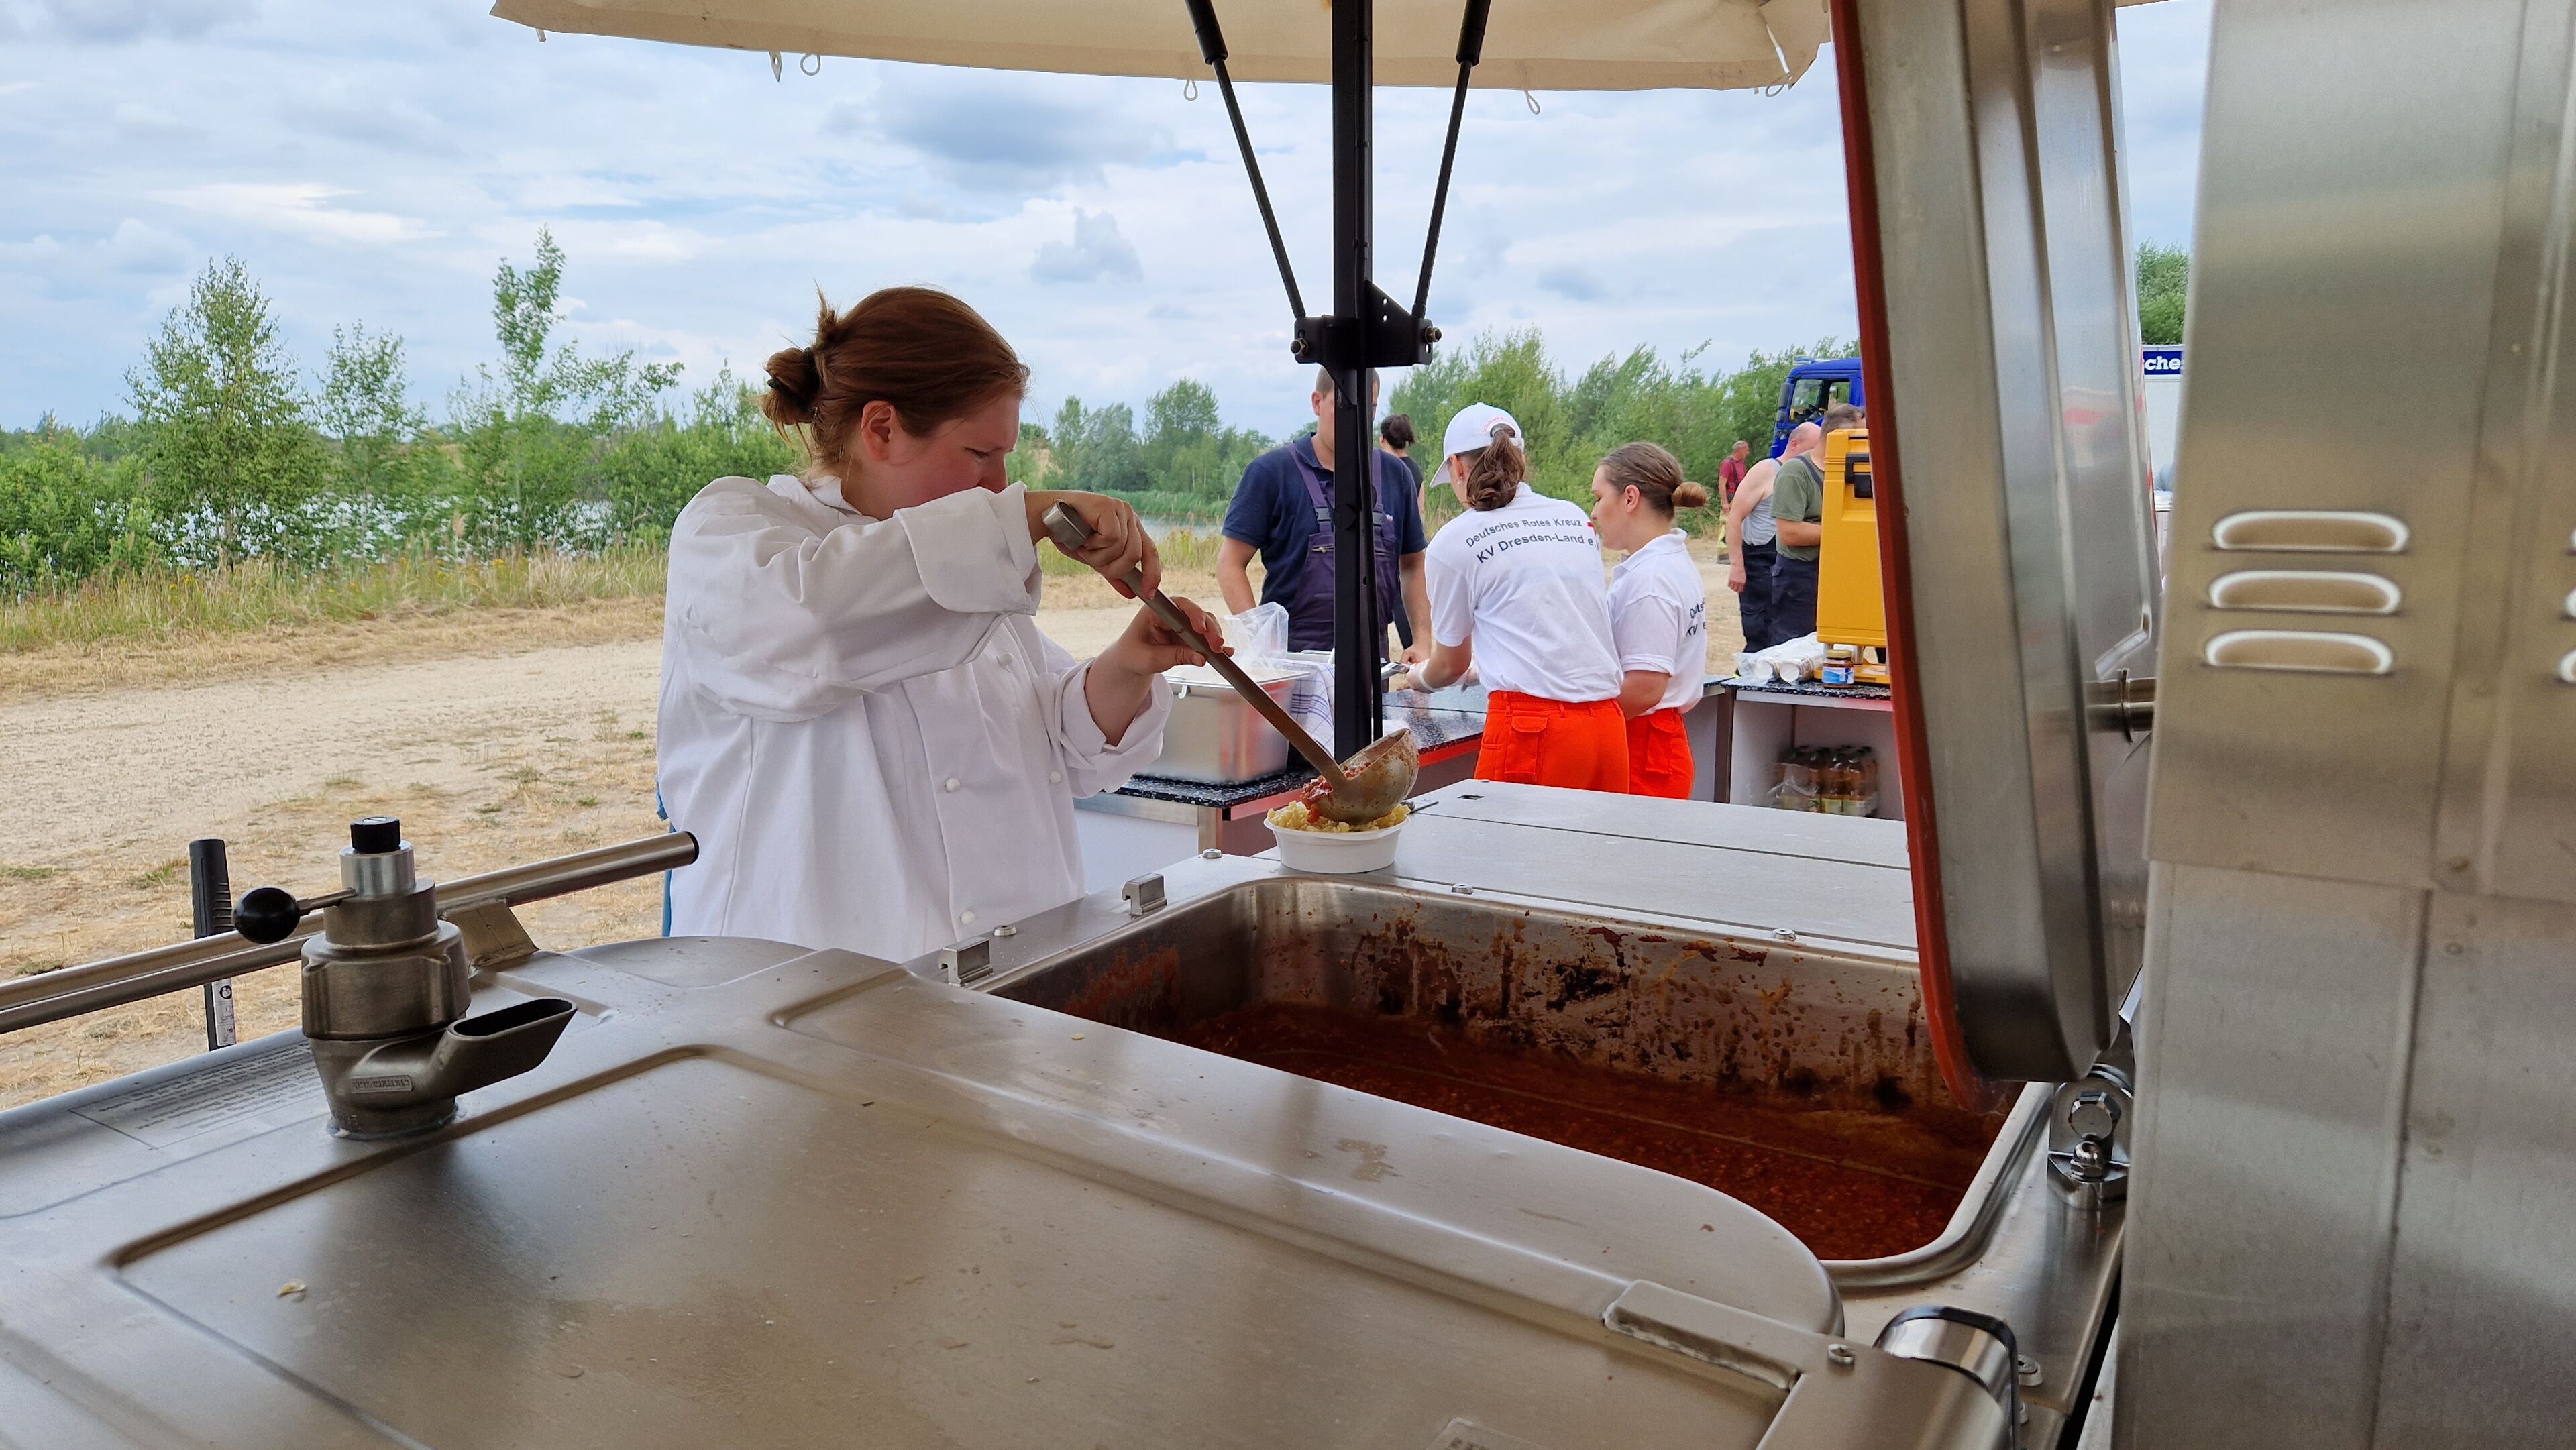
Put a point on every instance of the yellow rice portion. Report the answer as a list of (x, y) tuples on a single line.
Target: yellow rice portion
[(1297, 818)]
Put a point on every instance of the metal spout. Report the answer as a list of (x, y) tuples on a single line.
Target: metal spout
[(379, 1089)]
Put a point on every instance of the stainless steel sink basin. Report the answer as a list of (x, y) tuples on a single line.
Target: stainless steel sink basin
[(1798, 1080)]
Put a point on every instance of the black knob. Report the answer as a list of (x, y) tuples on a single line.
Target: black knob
[(375, 835), (267, 914)]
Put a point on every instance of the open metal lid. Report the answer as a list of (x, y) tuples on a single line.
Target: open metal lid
[(2007, 438)]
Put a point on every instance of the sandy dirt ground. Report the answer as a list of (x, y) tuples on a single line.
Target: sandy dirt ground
[(498, 740)]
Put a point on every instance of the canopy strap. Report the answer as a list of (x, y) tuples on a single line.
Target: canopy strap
[(1212, 47), (1471, 48)]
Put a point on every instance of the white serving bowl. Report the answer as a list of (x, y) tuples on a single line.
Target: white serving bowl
[(1337, 853)]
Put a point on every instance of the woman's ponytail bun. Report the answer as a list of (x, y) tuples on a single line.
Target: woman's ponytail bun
[(925, 354), (794, 385), (1656, 475)]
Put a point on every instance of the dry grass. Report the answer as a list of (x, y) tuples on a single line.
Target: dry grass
[(172, 626), (579, 788), (166, 604), (1183, 551)]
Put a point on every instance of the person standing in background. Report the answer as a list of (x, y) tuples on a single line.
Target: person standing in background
[(1283, 511), (1750, 540), (1798, 511), (1658, 611), (1517, 593), (1730, 474), (1396, 436)]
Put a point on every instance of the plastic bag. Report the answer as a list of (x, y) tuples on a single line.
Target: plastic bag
[(1260, 639), (1260, 632)]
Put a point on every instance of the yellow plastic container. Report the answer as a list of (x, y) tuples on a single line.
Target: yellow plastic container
[(1851, 599)]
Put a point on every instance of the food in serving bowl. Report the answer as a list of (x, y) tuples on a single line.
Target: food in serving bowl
[(1311, 842), (1295, 816)]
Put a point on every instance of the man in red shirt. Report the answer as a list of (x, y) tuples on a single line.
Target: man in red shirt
[(1731, 472)]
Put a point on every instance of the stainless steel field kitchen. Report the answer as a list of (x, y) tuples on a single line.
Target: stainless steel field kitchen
[(1593, 1120), (760, 1195)]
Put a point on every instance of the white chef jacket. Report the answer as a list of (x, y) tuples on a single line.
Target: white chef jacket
[(861, 723), (1659, 616), (1524, 582)]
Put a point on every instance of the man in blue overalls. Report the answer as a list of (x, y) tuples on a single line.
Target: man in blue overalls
[(1283, 511)]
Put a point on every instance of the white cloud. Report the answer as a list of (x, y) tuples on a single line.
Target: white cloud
[(302, 207), (141, 247), (1097, 253)]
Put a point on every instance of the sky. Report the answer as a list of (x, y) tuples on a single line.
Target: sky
[(372, 163)]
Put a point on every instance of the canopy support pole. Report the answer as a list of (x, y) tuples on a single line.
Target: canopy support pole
[(1358, 634), (1367, 330)]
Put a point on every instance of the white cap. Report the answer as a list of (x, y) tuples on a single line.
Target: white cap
[(1473, 428)]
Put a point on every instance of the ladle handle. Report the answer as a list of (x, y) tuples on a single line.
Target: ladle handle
[(1071, 534)]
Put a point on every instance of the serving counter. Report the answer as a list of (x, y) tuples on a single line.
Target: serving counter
[(1155, 820)]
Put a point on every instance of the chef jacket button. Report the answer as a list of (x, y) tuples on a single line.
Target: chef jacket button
[(965, 918), (949, 784), (1055, 777), (1006, 662)]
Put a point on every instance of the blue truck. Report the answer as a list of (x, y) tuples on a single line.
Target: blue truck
[(1814, 384)]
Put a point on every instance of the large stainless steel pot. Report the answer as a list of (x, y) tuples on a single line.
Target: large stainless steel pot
[(1214, 736)]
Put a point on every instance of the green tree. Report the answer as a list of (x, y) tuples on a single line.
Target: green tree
[(64, 517), (1032, 459), (229, 459), (1110, 457), (652, 471), (364, 406), (532, 430), (2164, 279), (1065, 441)]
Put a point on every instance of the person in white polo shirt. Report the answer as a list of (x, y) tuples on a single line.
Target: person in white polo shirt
[(1658, 610), (1517, 592)]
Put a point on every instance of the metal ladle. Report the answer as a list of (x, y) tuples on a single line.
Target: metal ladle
[(1375, 781)]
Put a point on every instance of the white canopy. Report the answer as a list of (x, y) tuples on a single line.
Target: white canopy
[(1606, 45)]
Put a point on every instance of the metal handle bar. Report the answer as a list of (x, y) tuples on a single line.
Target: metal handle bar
[(116, 981)]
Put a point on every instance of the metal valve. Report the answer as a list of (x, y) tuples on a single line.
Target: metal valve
[(386, 990), (2084, 1156)]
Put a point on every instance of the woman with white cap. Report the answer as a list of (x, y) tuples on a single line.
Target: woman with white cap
[(1517, 592)]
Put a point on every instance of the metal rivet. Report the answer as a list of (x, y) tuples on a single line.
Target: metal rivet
[(1841, 1356), (2026, 1369), (1006, 929), (1211, 854), (1785, 933), (1461, 888)]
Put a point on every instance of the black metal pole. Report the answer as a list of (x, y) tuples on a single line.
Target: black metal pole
[(1359, 636), (210, 900)]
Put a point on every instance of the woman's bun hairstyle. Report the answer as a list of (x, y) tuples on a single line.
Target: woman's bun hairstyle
[(1495, 471), (795, 383), (1655, 474), (930, 357)]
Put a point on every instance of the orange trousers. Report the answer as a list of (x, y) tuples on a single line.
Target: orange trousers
[(1531, 741), (1659, 755)]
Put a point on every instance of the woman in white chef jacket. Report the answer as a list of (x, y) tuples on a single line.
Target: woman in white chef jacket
[(1517, 592), (860, 721), (1658, 610)]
